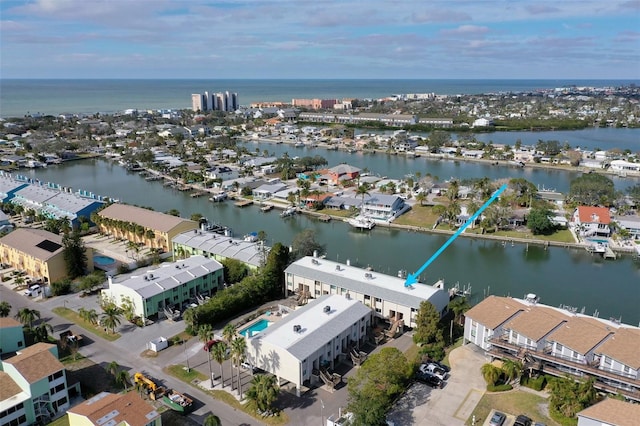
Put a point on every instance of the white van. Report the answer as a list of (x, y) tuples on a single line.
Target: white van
[(33, 290)]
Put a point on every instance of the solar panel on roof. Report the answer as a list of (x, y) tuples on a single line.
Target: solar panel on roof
[(48, 245)]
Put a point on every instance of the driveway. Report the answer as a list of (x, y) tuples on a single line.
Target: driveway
[(422, 405)]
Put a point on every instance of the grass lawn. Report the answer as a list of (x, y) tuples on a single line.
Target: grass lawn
[(179, 372), (421, 216), (513, 402), (73, 316)]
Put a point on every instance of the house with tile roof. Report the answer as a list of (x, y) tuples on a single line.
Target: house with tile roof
[(114, 409), (591, 221), (558, 342), (610, 412), (11, 336), (38, 252), (34, 386), (144, 226)]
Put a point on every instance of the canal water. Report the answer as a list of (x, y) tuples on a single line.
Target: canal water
[(558, 275)]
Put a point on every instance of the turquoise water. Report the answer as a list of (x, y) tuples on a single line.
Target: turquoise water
[(103, 260), (255, 328), (598, 240)]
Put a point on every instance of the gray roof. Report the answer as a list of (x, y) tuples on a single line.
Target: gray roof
[(169, 275), (38, 243), (317, 327), (210, 242), (385, 287)]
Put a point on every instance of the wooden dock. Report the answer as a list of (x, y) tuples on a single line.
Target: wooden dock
[(243, 203), (198, 194), (324, 218)]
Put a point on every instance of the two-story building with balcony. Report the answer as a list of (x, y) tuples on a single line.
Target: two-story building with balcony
[(591, 221)]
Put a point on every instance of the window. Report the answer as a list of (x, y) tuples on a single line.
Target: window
[(607, 361), (378, 300), (367, 297), (62, 401), (559, 347)]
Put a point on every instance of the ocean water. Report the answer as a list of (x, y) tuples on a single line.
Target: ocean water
[(19, 97)]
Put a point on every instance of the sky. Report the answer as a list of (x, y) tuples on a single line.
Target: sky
[(332, 39)]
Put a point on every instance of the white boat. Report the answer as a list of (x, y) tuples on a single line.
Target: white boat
[(638, 249), (597, 248), (361, 222), (289, 211), (221, 196), (251, 237)]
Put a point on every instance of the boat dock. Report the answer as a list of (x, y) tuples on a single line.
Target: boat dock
[(609, 254), (198, 194), (324, 218), (243, 203)]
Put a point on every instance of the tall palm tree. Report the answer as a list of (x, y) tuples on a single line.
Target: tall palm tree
[(362, 190), (122, 378), (263, 391), (27, 316), (229, 332), (219, 353), (41, 332), (113, 368), (5, 309), (459, 306), (205, 333), (238, 354), (110, 317), (212, 420), (512, 369)]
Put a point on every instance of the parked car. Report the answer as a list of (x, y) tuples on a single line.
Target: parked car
[(434, 370), (33, 290), (522, 420), (248, 366), (429, 379), (497, 419), (445, 367)]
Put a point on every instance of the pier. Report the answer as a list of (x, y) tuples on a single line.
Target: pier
[(243, 203)]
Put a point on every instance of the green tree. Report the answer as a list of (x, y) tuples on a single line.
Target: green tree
[(426, 323), (219, 354), (113, 367), (205, 333), (263, 392), (511, 369), (229, 332), (459, 306), (61, 287), (89, 315), (122, 378), (5, 309), (212, 420), (75, 256), (568, 397), (375, 386), (234, 270), (592, 189), (634, 194), (111, 315), (362, 191), (238, 355), (539, 223), (27, 316), (491, 374), (42, 331), (304, 244)]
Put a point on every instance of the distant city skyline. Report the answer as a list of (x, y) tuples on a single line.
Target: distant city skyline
[(285, 39)]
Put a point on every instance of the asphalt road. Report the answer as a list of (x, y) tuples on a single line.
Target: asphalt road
[(126, 351)]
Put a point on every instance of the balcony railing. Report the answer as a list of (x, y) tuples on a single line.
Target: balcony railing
[(568, 362)]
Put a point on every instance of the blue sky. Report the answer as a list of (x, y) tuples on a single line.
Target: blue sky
[(501, 39)]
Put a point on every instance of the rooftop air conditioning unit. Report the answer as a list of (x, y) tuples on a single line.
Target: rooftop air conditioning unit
[(326, 309), (297, 328)]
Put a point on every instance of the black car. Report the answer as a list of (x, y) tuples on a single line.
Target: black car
[(429, 379), (522, 420), (445, 367)]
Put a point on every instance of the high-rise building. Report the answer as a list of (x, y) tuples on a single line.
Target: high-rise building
[(198, 102), (210, 101)]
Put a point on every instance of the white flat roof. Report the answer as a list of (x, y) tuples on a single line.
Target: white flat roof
[(170, 275), (316, 326), (221, 245), (385, 287)]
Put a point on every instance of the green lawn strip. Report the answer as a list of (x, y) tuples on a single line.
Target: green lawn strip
[(73, 316), (420, 216), (62, 421), (179, 372), (513, 402)]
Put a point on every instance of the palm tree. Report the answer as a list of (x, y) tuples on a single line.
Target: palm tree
[(89, 315), (362, 191), (27, 316), (229, 332), (238, 354), (205, 333), (491, 373), (512, 369), (263, 391), (113, 368), (421, 197), (110, 317), (459, 306), (219, 353), (122, 378), (212, 420), (41, 332), (5, 309), (452, 191)]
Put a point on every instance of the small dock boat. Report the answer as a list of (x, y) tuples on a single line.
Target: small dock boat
[(266, 208), (289, 211), (220, 196), (361, 222)]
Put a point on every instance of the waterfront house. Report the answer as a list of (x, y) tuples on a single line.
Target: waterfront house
[(591, 221), (171, 285), (267, 190), (557, 341), (38, 252), (630, 223), (343, 172), (221, 172), (312, 277), (382, 207), (149, 227), (34, 386), (11, 336), (106, 408), (623, 167), (610, 412), (313, 337)]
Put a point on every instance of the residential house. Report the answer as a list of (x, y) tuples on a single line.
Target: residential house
[(172, 285), (630, 223), (34, 386), (610, 412), (38, 252), (342, 172), (267, 190), (11, 336), (382, 207), (591, 221), (106, 408), (622, 167)]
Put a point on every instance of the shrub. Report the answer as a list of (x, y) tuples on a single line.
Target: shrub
[(59, 288), (537, 383), (123, 268), (499, 388)]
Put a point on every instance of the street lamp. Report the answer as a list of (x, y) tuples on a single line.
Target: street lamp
[(185, 352), (322, 412)]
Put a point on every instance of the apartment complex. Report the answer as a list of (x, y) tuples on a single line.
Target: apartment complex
[(38, 252), (558, 342), (394, 120), (139, 225), (170, 286), (610, 412), (209, 101), (114, 409), (34, 386), (310, 338), (314, 103), (386, 295), (11, 336)]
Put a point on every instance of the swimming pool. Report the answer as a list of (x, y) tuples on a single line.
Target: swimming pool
[(598, 240), (103, 260), (255, 328)]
